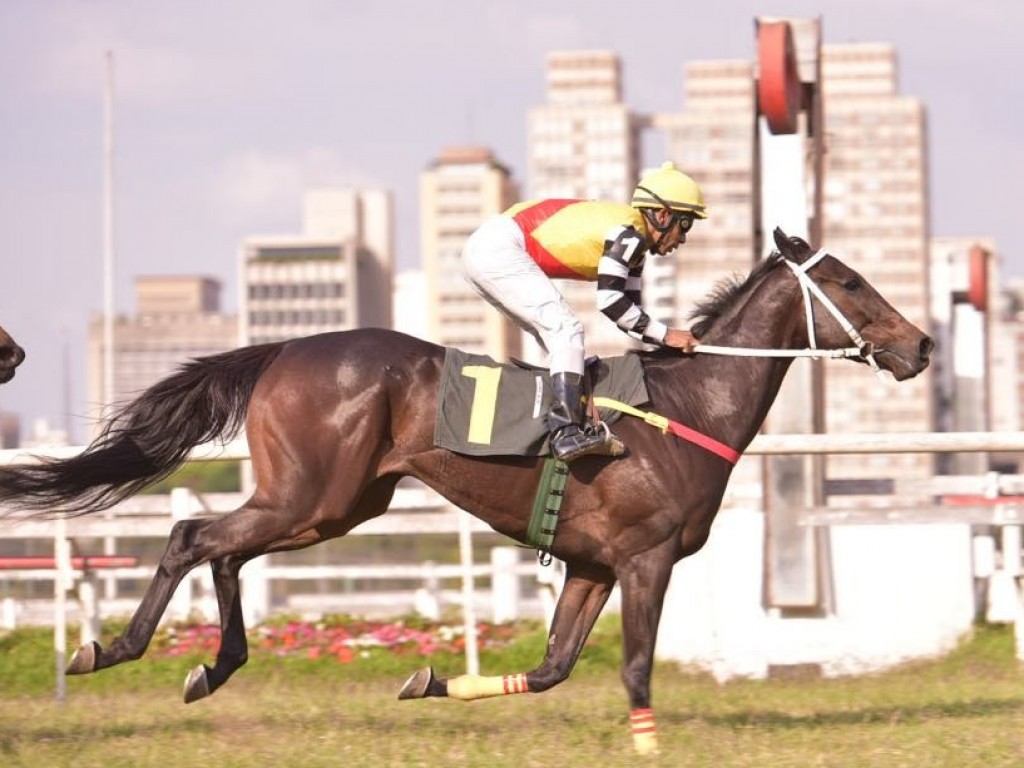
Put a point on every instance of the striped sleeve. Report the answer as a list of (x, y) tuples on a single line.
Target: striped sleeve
[(618, 286)]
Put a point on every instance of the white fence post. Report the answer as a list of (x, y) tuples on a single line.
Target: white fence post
[(255, 591), (1012, 549), (8, 613), (504, 584), (1012, 565), (549, 581), (90, 616), (427, 599), (468, 595), (62, 582), (181, 602)]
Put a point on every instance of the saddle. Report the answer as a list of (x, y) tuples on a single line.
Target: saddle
[(486, 408)]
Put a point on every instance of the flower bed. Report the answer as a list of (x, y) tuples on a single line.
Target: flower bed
[(342, 638)]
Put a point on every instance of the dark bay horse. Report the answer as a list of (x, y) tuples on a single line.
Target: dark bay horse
[(333, 421), (11, 356)]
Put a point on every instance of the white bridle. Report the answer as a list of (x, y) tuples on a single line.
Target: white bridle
[(807, 287)]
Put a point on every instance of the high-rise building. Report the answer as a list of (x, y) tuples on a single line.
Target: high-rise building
[(1006, 326), (584, 143), (461, 188), (336, 275), (712, 140), (10, 430), (875, 216), (979, 322), (876, 219), (177, 318), (962, 334)]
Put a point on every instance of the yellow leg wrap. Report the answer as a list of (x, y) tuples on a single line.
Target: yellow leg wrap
[(645, 737), (469, 687)]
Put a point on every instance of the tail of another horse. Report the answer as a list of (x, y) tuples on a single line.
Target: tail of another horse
[(145, 440)]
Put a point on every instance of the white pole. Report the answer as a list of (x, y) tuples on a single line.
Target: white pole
[(504, 584), (468, 595), (61, 583), (109, 542), (108, 236), (181, 601)]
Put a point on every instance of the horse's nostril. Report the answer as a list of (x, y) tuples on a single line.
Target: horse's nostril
[(926, 346), (12, 355)]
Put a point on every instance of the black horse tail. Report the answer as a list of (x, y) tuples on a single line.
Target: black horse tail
[(145, 440)]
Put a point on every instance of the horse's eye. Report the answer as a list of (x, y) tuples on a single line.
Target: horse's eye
[(852, 283)]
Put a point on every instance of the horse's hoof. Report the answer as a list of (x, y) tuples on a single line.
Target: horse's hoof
[(84, 660), (416, 686), (196, 685)]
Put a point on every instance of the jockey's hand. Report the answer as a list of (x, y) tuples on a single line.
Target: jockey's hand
[(684, 341)]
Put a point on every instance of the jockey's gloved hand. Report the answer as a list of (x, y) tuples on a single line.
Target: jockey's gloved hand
[(684, 341)]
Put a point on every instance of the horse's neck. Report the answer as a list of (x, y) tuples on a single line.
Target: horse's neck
[(726, 398), (730, 395)]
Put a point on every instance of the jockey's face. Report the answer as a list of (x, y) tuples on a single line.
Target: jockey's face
[(678, 224)]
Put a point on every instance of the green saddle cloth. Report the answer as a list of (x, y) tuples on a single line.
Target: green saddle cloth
[(485, 408)]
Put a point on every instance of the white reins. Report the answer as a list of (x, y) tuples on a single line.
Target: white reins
[(807, 287)]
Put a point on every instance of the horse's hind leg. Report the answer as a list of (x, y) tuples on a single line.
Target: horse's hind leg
[(178, 559), (234, 647), (248, 529), (578, 607), (233, 653)]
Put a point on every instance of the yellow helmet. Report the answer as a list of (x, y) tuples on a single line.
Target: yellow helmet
[(670, 188)]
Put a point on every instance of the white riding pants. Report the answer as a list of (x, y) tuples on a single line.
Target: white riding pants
[(496, 264)]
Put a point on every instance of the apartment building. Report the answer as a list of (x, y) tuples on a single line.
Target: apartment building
[(584, 142), (875, 215), (462, 187), (335, 275), (876, 218), (177, 317)]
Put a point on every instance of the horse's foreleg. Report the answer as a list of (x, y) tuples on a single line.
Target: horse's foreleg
[(178, 559), (578, 607), (644, 583)]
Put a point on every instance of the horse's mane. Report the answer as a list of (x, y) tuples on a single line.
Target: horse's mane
[(726, 292)]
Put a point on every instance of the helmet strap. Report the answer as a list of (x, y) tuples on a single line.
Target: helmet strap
[(661, 229), (664, 205)]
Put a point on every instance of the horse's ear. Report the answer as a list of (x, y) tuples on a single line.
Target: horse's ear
[(781, 240), (793, 248)]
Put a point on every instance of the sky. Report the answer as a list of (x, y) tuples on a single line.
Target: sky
[(225, 112)]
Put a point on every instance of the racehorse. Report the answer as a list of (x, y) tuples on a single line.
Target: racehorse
[(335, 420), (11, 356)]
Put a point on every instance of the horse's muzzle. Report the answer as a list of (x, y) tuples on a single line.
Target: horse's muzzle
[(11, 356), (909, 360), (925, 347)]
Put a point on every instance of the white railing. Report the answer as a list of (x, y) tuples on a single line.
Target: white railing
[(905, 442), (417, 512), (137, 517)]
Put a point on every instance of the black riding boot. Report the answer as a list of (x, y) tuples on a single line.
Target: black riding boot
[(570, 438)]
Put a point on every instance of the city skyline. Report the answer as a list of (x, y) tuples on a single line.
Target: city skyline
[(225, 116)]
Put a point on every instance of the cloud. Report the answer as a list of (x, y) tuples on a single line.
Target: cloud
[(154, 63), (257, 185)]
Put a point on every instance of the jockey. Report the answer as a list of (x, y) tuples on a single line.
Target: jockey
[(511, 258)]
